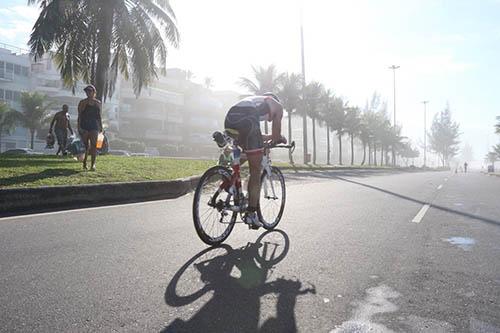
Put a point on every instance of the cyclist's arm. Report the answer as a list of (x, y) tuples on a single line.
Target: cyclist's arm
[(275, 115)]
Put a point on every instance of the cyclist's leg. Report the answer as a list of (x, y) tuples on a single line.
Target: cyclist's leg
[(254, 151)]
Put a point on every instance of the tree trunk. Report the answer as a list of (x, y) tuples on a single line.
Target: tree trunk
[(290, 135), (374, 154), (314, 139), (32, 132), (104, 48), (381, 155), (369, 153), (364, 154), (304, 136), (340, 148), (327, 145), (352, 149)]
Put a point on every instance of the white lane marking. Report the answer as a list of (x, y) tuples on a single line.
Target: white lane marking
[(420, 214), (440, 186), (446, 179), (78, 210)]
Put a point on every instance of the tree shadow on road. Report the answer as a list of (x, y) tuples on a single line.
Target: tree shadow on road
[(442, 208), (33, 177), (358, 173), (234, 280)]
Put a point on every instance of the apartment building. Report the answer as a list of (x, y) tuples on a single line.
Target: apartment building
[(15, 77), (172, 111)]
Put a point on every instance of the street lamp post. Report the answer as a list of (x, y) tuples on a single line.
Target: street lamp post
[(425, 132), (394, 67)]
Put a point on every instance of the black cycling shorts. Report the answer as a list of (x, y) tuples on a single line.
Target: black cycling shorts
[(242, 123)]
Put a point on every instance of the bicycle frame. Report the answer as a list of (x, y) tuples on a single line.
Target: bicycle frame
[(233, 185)]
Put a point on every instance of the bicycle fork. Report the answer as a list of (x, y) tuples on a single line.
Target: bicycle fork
[(266, 165)]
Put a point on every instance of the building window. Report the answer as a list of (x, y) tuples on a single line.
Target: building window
[(16, 95), (26, 71), (17, 69), (9, 71), (2, 69), (8, 95), (1, 93)]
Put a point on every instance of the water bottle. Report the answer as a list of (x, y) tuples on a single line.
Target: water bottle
[(236, 155)]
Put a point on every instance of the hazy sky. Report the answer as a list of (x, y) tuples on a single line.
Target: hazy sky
[(448, 51)]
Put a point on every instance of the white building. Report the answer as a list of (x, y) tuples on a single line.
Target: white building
[(15, 78), (173, 111)]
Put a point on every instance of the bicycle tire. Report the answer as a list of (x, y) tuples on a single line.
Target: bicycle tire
[(224, 174), (269, 221)]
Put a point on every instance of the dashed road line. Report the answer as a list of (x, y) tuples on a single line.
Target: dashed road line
[(420, 215), (440, 186)]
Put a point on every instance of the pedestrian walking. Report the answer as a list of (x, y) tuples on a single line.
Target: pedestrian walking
[(89, 124), (60, 124)]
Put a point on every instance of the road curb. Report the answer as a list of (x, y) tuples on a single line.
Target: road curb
[(16, 201)]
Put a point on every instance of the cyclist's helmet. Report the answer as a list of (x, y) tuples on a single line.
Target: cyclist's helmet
[(270, 94)]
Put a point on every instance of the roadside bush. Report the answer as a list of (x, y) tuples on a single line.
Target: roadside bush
[(137, 147), (168, 150), (119, 144)]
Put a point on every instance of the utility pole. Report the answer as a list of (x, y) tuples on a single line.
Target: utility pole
[(425, 132), (304, 119), (394, 67)]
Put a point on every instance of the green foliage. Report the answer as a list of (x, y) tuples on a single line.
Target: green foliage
[(491, 157), (290, 90), (119, 144), (35, 112), (137, 147), (497, 126), (444, 136), (7, 120), (266, 80), (96, 40), (312, 99)]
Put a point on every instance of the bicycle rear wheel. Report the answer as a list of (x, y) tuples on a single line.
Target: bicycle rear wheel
[(212, 220), (272, 198)]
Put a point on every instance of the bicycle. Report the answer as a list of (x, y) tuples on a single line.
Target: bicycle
[(219, 198)]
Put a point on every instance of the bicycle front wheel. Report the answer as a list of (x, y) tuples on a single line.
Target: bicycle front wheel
[(213, 220), (272, 198)]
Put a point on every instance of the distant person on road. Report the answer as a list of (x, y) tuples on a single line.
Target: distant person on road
[(89, 124), (62, 124), (226, 158), (465, 167)]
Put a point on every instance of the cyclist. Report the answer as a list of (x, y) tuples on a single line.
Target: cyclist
[(242, 123)]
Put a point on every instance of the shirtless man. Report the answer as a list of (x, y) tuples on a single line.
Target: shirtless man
[(62, 124)]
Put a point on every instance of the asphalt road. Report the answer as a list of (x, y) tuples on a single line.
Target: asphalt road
[(353, 254)]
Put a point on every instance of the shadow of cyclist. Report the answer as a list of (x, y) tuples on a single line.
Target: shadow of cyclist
[(236, 278)]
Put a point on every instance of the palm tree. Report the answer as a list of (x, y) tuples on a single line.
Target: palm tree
[(35, 112), (338, 121), (313, 92), (352, 126), (208, 82), (289, 93), (7, 120), (365, 133), (326, 117), (94, 40), (497, 126), (266, 80)]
